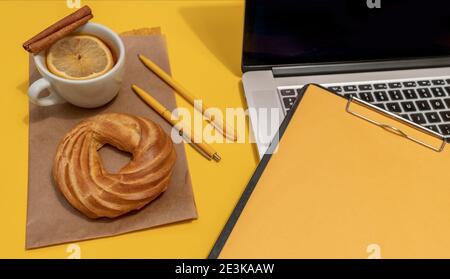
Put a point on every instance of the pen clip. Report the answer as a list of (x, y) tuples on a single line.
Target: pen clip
[(393, 129)]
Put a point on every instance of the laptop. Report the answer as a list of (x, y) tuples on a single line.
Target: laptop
[(393, 54)]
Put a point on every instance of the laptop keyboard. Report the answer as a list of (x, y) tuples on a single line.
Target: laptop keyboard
[(423, 101)]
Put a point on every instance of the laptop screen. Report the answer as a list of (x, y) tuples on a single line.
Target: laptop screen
[(318, 31)]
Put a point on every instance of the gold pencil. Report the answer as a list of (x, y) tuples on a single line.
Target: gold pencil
[(217, 123), (167, 115)]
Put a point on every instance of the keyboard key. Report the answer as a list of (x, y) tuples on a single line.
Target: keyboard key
[(287, 92), (447, 88), (395, 85), (445, 129), (424, 93), (299, 92), (350, 88), (408, 106), (447, 102), (396, 95), (437, 104), (438, 82), (438, 92), (410, 94), (423, 105), (381, 96), (381, 106), (405, 116), (348, 95), (445, 116), (424, 83), (366, 96), (433, 128), (365, 87), (380, 86), (394, 107), (433, 117), (410, 84), (336, 89), (288, 102), (418, 118)]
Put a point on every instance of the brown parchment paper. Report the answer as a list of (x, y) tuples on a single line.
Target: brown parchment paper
[(50, 218)]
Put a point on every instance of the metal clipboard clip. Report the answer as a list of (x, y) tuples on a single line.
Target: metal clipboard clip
[(393, 129)]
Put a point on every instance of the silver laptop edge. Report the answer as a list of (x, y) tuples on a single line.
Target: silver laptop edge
[(261, 86)]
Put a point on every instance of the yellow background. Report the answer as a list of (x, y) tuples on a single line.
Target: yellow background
[(204, 41)]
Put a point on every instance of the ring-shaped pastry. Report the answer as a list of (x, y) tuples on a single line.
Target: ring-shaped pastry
[(80, 176)]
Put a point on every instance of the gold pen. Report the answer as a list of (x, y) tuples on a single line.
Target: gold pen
[(217, 123), (167, 115)]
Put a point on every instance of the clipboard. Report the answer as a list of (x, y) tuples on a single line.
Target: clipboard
[(347, 180)]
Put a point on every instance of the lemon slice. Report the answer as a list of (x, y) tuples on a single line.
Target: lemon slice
[(79, 57)]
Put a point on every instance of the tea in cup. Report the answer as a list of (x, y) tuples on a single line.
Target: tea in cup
[(84, 69), (79, 57)]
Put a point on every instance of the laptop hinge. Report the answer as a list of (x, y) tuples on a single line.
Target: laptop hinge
[(337, 68)]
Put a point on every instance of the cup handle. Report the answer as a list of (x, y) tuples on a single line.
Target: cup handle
[(37, 87)]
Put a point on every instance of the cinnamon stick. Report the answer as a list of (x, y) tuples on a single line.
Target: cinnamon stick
[(56, 31)]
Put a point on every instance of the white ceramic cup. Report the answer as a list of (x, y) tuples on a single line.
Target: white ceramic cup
[(89, 93)]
